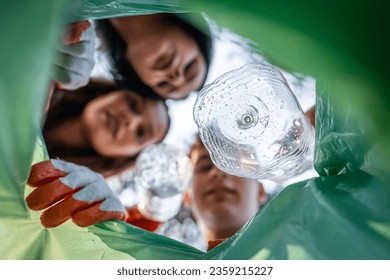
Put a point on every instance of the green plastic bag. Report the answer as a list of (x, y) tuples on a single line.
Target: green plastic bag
[(342, 215), (24, 85)]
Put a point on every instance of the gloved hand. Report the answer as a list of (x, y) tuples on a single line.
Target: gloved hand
[(135, 218), (82, 195), (74, 59)]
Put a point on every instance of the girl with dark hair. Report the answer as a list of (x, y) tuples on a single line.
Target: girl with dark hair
[(102, 126), (160, 54)]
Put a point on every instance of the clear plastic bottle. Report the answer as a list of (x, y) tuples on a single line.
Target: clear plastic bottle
[(253, 126), (163, 172)]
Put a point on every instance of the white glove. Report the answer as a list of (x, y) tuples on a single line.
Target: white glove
[(71, 191), (74, 58)]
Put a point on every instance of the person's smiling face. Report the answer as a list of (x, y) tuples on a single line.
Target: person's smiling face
[(165, 57), (122, 123)]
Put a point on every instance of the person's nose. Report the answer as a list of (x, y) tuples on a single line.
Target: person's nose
[(176, 75), (132, 122), (216, 173)]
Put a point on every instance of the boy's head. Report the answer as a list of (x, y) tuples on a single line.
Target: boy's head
[(221, 203)]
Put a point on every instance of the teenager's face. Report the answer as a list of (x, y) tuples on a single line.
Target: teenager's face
[(122, 123), (221, 201), (167, 59)]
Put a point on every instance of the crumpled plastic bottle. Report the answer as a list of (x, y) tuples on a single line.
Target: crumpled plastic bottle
[(253, 126), (162, 174)]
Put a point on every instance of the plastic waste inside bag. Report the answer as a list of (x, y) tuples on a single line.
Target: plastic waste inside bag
[(162, 174), (253, 126)]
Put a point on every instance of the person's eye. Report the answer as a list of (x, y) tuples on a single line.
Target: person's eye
[(203, 167), (190, 66), (132, 103), (163, 65), (164, 61)]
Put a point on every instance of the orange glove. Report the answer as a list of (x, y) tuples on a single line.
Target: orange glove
[(74, 31), (135, 218), (214, 243), (70, 191)]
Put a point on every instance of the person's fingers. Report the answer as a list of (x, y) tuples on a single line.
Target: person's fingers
[(68, 189), (66, 79), (93, 192), (63, 184), (74, 59), (74, 31), (43, 172), (89, 34), (135, 218), (95, 187), (78, 68), (73, 65), (48, 194), (67, 167), (95, 214), (83, 49), (49, 170), (62, 211)]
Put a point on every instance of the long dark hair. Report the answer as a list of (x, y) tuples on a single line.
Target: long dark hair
[(66, 105), (124, 73)]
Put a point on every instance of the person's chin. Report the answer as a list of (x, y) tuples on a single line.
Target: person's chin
[(222, 208)]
